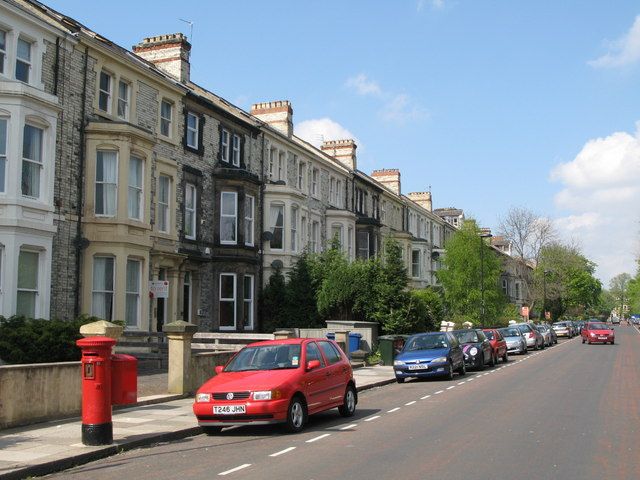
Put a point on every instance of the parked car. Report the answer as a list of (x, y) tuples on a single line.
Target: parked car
[(598, 332), (615, 320), (433, 354), (476, 348), (533, 337), (563, 329), (546, 334), (498, 343), (277, 381), (516, 343)]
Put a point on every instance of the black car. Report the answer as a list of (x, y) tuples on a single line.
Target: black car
[(476, 348)]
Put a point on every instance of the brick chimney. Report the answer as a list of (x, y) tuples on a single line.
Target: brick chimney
[(278, 114), (389, 177), (169, 53), (421, 198), (344, 151)]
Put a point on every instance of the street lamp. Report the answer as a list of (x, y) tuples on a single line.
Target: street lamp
[(482, 236)]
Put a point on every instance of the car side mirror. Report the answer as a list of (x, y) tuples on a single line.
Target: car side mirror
[(313, 364), (219, 369)]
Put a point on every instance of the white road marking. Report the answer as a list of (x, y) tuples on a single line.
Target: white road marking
[(410, 403), (235, 469), (319, 437), (353, 425), (393, 410), (438, 392), (471, 379), (371, 418), (425, 397), (452, 386), (460, 383), (282, 452)]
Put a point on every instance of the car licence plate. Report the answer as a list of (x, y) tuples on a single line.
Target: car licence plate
[(229, 409), (418, 367), (602, 338)]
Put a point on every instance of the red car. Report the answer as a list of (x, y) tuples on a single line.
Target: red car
[(598, 332), (277, 381), (498, 344)]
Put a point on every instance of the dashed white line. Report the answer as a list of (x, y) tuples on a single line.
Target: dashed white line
[(371, 418), (471, 379), (410, 403), (452, 386), (438, 392), (319, 437), (461, 383), (393, 410), (425, 397), (353, 425), (282, 452), (227, 472)]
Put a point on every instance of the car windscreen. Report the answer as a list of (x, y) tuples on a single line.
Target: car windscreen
[(266, 357), (489, 334), (598, 326), (467, 337), (560, 325), (510, 332), (426, 342), (525, 328)]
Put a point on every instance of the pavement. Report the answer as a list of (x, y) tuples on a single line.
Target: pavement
[(49, 447)]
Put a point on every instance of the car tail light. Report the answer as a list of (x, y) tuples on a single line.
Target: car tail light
[(531, 335)]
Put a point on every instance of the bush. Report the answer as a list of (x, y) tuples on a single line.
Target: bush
[(27, 340)]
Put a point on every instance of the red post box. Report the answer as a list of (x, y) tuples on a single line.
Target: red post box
[(97, 428), (124, 379)]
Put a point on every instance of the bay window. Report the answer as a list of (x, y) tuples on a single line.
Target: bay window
[(227, 302), (362, 247), (336, 234), (164, 191), (103, 286), (3, 49), (3, 153), (27, 297), (228, 217), (249, 205), (315, 236), (276, 219), (248, 302), (31, 161), (106, 183), (190, 211), (294, 228), (135, 188), (415, 263), (132, 302), (23, 60)]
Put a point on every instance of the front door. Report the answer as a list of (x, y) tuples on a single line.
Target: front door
[(161, 304)]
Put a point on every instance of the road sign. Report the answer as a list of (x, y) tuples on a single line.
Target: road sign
[(547, 315), (159, 289), (524, 311)]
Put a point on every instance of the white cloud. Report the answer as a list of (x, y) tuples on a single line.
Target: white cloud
[(317, 130), (623, 51), (363, 86), (601, 190), (436, 4), (396, 107)]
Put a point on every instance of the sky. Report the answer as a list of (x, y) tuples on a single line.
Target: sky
[(489, 104)]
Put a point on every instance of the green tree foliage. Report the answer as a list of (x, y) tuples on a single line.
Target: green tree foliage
[(27, 340), (272, 302), (469, 264), (619, 288), (300, 308)]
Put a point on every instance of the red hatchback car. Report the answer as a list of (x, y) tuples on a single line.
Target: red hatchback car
[(598, 332), (498, 344), (277, 381)]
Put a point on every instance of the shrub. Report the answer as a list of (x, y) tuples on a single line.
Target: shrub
[(28, 340)]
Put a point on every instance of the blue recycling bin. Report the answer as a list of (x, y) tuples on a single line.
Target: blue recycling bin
[(331, 336), (354, 341)]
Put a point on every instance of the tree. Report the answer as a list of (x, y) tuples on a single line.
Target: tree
[(272, 301), (470, 264), (618, 287), (300, 306), (527, 232)]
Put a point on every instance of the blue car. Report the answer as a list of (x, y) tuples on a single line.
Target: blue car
[(434, 354)]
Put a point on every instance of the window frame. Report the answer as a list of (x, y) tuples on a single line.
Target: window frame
[(3, 155), (224, 146), (102, 292), (128, 293), (249, 200), (168, 121), (107, 93), (301, 175), (275, 226), (234, 195), (39, 163), (126, 101), (3, 51), (250, 324), (138, 190), (28, 62), (315, 177), (360, 248), (282, 166), (35, 291), (315, 236), (337, 228), (293, 227), (232, 300), (195, 131), (164, 206), (415, 265), (236, 150), (96, 182), (188, 186)]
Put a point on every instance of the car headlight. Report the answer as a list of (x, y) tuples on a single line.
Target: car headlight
[(439, 360), (473, 350), (397, 363), (267, 395), (592, 334), (203, 397)]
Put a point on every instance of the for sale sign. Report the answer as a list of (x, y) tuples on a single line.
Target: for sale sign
[(159, 289)]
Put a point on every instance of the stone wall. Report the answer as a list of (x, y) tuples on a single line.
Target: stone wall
[(203, 365)]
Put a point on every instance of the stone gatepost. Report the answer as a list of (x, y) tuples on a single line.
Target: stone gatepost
[(101, 328), (283, 335), (179, 334), (342, 339)]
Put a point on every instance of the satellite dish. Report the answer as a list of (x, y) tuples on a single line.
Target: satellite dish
[(267, 236), (435, 255), (277, 264)]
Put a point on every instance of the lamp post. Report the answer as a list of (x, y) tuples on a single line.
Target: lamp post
[(482, 237)]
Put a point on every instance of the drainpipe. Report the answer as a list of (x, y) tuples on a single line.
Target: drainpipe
[(79, 243), (56, 67), (261, 249)]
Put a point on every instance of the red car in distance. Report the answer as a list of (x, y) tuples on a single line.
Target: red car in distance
[(598, 332), (277, 381), (498, 344)]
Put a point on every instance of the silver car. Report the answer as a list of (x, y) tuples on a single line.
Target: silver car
[(516, 343), (546, 334), (563, 329)]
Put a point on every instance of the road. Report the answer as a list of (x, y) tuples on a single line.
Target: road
[(568, 412)]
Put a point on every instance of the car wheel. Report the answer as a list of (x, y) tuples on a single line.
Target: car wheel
[(463, 369), (493, 361), (536, 347), (582, 339), (612, 342), (505, 357), (481, 364), (348, 408), (450, 372), (400, 379), (211, 430), (296, 415)]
